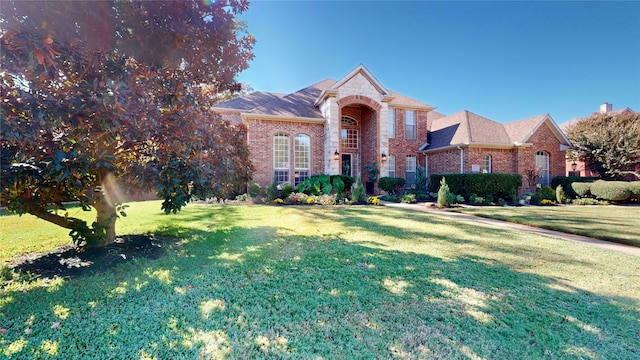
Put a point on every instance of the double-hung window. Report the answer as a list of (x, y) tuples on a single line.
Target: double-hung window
[(391, 163), (281, 158), (410, 125), (410, 170), (392, 123), (302, 158)]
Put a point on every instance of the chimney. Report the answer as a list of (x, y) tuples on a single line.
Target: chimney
[(605, 108)]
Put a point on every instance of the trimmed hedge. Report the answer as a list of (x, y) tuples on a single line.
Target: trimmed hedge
[(580, 189), (503, 186), (391, 184), (616, 191), (567, 181), (611, 190)]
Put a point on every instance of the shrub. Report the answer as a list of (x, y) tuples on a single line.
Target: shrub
[(420, 183), (634, 187), (358, 194), (390, 198), (242, 197), (373, 200), (581, 189), (254, 190), (476, 200), (459, 199), (497, 185), (338, 185), (445, 197), (409, 199), (611, 190), (568, 181), (287, 189), (547, 202), (588, 201), (311, 200), (296, 198), (326, 199), (325, 184), (391, 185), (561, 198), (547, 193), (271, 191)]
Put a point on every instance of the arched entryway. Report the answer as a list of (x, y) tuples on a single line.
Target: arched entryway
[(359, 138)]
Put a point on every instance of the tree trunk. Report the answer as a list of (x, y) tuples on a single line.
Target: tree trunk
[(106, 219)]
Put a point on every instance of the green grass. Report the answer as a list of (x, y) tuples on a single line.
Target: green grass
[(619, 224), (333, 282)]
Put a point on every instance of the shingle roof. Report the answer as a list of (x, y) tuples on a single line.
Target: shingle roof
[(400, 100), (250, 101), (297, 104), (302, 102), (519, 131), (465, 127)]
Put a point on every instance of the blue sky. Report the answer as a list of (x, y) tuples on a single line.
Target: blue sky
[(502, 60)]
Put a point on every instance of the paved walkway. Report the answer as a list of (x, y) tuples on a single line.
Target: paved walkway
[(534, 230)]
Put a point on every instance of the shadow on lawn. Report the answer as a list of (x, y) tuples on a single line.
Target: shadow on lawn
[(257, 292)]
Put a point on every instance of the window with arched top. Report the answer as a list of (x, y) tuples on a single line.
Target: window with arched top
[(349, 133), (349, 121), (542, 167), (486, 164)]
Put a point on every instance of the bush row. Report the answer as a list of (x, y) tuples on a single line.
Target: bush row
[(484, 185), (616, 191)]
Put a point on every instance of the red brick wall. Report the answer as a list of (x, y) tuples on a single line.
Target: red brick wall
[(260, 141), (543, 140), (401, 147), (501, 159), (444, 162)]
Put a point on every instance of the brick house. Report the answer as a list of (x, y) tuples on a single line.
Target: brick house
[(342, 126)]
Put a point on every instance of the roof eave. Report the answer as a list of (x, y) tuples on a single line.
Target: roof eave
[(227, 110), (324, 95), (254, 116)]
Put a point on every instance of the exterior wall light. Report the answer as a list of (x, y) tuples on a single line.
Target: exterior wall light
[(383, 157), (336, 155), (574, 166)]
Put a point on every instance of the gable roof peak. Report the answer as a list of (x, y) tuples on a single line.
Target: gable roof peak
[(361, 69)]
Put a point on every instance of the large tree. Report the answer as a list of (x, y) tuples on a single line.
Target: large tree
[(609, 144), (105, 97)]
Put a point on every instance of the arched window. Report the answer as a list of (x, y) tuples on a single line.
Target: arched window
[(349, 133), (542, 167), (301, 158), (486, 164), (281, 158)]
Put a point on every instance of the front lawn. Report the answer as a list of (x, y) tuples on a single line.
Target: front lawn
[(331, 282), (619, 224)]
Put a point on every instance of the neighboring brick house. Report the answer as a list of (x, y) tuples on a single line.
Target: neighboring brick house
[(577, 167), (334, 127)]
